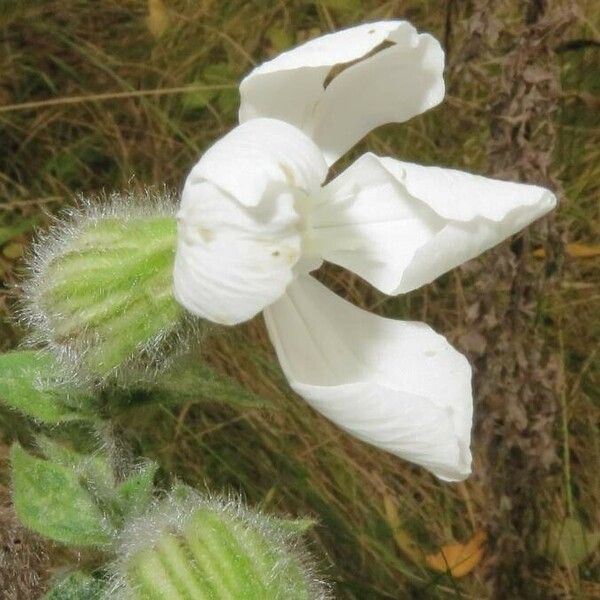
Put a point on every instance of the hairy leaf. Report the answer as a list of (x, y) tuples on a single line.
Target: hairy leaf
[(76, 586), (49, 498), (194, 382), (134, 495), (29, 383)]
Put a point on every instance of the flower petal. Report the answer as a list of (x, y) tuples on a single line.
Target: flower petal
[(257, 156), (238, 235), (400, 225), (395, 384), (233, 260), (386, 72)]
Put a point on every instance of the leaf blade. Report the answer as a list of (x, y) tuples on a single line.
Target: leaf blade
[(29, 384), (76, 586), (49, 499)]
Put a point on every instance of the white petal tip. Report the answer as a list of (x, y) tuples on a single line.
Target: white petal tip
[(550, 200), (455, 473), (400, 225), (396, 385)]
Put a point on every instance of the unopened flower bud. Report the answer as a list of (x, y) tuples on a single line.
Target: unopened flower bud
[(100, 288), (199, 548)]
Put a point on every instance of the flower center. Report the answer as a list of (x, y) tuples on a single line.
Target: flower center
[(310, 258)]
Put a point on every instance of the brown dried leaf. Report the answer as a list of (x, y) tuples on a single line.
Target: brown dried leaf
[(458, 559)]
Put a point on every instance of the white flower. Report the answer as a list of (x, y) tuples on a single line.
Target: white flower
[(256, 218)]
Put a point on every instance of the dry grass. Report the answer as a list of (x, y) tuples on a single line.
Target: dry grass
[(91, 59)]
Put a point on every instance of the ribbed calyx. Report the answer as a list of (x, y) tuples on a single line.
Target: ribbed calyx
[(99, 293), (195, 548)]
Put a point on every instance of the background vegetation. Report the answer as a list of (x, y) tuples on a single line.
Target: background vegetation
[(120, 94)]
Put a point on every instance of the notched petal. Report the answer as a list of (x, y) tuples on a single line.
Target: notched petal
[(340, 86), (339, 68)]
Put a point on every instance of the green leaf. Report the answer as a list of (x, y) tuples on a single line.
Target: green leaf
[(200, 381), (228, 102), (29, 383), (76, 586), (95, 469), (49, 499), (196, 100), (134, 495), (570, 542), (217, 75), (118, 502), (295, 526), (196, 382)]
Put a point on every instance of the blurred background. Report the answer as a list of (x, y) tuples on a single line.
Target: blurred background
[(120, 94)]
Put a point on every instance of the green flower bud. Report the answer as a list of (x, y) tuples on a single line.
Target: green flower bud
[(196, 548), (100, 292)]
